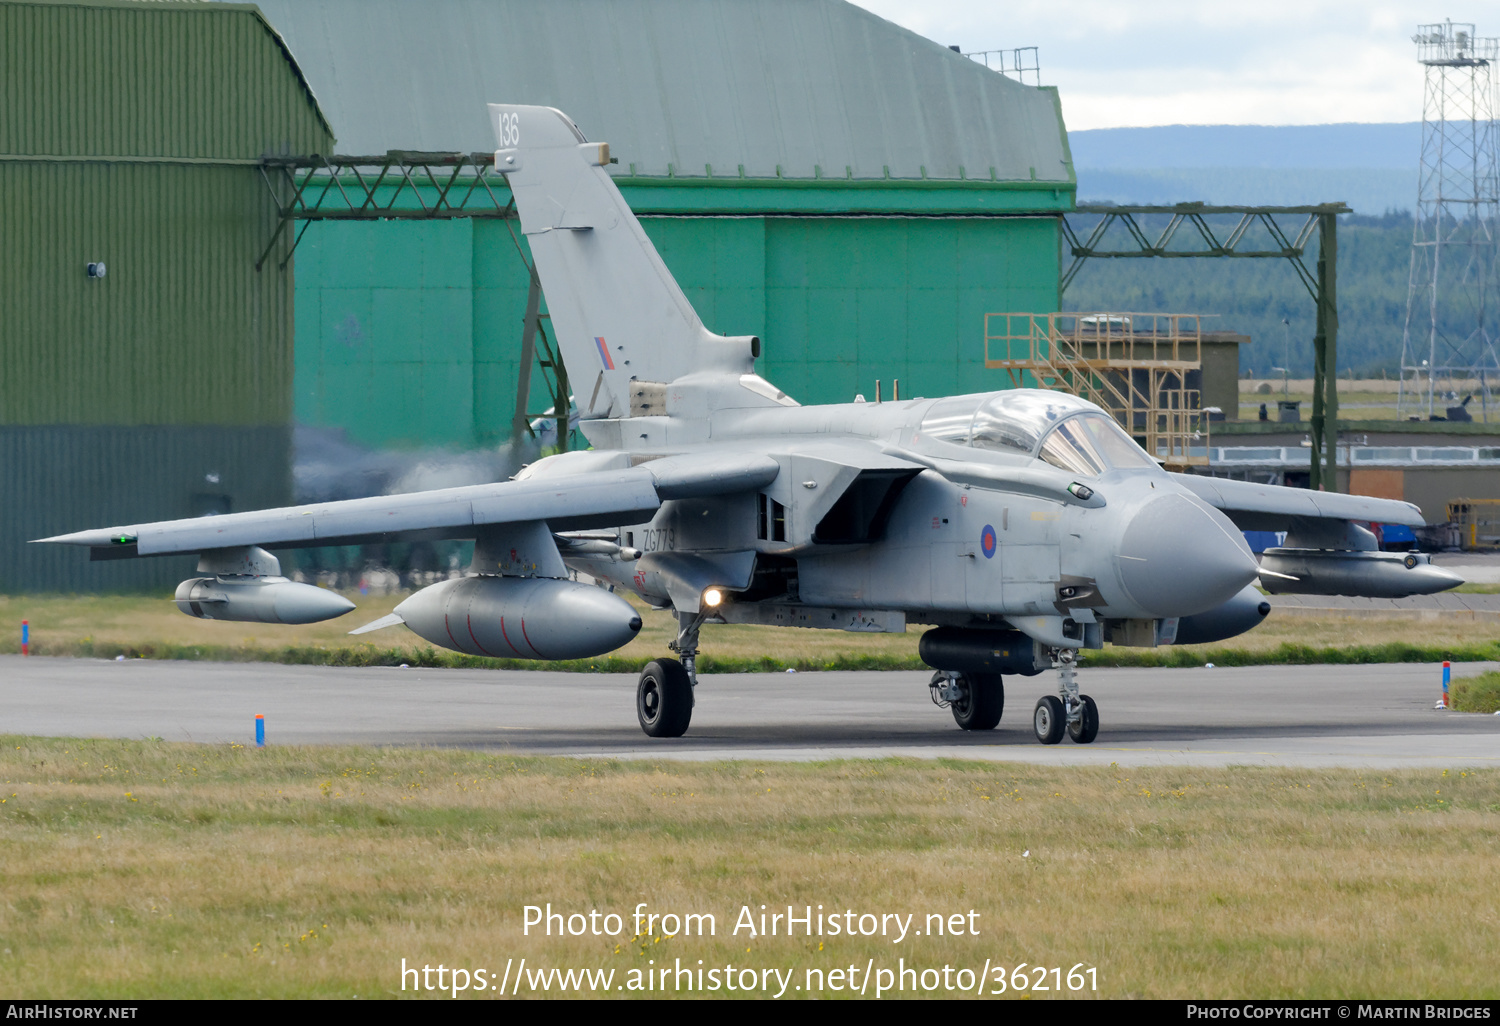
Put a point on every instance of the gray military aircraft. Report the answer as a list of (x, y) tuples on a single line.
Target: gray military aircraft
[(1024, 526)]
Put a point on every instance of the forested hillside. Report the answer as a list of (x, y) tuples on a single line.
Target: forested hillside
[(1252, 296)]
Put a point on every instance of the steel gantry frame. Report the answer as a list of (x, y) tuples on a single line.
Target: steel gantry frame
[(417, 186), (1203, 241)]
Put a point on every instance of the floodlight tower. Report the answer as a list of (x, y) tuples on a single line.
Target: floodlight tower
[(1450, 331)]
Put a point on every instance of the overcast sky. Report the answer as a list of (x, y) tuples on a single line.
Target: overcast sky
[(1123, 63)]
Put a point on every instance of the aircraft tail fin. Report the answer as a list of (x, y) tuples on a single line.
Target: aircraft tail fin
[(625, 328)]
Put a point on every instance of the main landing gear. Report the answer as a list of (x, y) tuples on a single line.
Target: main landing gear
[(977, 699), (664, 693), (1077, 714), (664, 699)]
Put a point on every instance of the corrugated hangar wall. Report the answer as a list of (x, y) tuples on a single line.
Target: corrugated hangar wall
[(408, 333), (131, 136), (855, 194)]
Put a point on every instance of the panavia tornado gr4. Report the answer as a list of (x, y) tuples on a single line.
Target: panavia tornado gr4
[(1022, 526)]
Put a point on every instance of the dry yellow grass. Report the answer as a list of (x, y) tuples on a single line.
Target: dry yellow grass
[(144, 869), (1358, 400), (59, 621)]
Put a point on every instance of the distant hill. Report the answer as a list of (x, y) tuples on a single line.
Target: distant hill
[(1392, 146), (1372, 167)]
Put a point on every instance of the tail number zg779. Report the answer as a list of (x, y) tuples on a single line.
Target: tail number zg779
[(659, 539)]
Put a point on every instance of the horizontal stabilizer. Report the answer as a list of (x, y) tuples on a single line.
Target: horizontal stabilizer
[(389, 620)]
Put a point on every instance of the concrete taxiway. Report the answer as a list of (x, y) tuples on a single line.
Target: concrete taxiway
[(1360, 716)]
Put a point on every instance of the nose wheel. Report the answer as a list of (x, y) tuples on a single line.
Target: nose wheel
[(1048, 720), (1068, 712), (1084, 727)]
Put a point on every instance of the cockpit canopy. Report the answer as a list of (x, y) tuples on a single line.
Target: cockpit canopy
[(1061, 429)]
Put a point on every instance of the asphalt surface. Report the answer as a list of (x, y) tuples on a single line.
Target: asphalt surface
[(1365, 716)]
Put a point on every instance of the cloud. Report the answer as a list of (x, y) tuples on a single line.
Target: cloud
[(1121, 64)]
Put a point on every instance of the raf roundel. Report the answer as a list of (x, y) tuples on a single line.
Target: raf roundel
[(987, 541)]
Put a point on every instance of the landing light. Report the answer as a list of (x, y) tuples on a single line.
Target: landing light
[(712, 597)]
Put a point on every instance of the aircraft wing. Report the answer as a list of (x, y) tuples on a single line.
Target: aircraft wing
[(566, 502), (1257, 507)]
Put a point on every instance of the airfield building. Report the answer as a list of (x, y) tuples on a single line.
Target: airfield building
[(145, 365), (856, 195)]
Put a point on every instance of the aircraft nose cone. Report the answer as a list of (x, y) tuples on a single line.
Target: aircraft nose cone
[(1178, 558)]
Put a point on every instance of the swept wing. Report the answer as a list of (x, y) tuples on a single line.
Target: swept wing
[(1255, 507), (565, 502)]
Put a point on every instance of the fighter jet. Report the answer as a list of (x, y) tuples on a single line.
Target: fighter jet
[(1022, 526)]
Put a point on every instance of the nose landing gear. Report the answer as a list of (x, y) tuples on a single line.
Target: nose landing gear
[(1070, 711), (1047, 720)]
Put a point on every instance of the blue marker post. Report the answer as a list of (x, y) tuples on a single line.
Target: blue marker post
[(1447, 674), (25, 637), (260, 731)]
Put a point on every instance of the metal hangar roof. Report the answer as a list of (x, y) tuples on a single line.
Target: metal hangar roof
[(690, 89)]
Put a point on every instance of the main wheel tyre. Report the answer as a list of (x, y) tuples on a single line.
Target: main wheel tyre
[(664, 699), (1087, 727), (981, 701), (1049, 720)]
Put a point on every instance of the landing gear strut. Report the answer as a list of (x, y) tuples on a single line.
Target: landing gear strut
[(686, 644), (664, 694), (977, 699), (1075, 713)]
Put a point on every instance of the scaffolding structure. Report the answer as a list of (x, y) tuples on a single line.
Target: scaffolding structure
[(1448, 344), (1139, 367)]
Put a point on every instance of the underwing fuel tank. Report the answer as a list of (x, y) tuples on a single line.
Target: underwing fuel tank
[(1343, 572), (521, 617), (258, 600)]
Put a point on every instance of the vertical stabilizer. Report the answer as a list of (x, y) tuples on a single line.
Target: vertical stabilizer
[(617, 313)]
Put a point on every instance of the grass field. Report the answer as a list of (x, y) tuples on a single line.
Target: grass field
[(1479, 694), (1364, 399), (146, 869), (106, 626)]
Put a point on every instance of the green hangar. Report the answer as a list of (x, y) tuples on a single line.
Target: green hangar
[(145, 365), (856, 195)]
